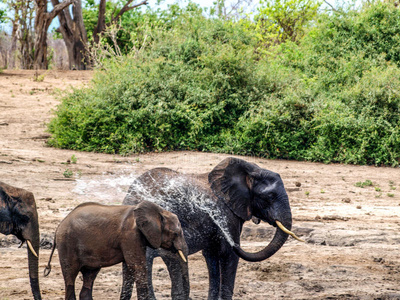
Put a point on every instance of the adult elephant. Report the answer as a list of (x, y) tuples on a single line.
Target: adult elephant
[(18, 216), (212, 208)]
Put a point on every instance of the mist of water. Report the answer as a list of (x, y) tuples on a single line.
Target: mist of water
[(111, 189), (185, 195), (107, 189)]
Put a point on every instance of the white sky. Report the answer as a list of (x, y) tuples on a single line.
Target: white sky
[(204, 3)]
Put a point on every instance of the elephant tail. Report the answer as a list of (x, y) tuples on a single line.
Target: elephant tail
[(47, 269)]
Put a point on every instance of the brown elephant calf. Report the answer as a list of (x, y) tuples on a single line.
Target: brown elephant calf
[(93, 236)]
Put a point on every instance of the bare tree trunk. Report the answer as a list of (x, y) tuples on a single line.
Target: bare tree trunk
[(42, 23), (21, 40), (13, 48), (26, 35), (101, 22), (74, 34), (4, 49)]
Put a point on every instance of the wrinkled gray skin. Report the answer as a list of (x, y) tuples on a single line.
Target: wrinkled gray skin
[(18, 216), (212, 208), (93, 236)]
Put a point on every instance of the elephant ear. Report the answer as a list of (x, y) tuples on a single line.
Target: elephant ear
[(231, 181), (149, 221)]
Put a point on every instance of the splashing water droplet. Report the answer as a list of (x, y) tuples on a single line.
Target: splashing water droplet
[(178, 193), (172, 193), (107, 189)]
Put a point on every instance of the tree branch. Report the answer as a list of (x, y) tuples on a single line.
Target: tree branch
[(334, 9), (126, 8), (59, 7)]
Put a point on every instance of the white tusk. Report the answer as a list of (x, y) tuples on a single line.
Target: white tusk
[(31, 248), (283, 228), (182, 256)]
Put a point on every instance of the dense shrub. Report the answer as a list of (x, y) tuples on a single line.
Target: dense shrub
[(332, 97), (193, 84)]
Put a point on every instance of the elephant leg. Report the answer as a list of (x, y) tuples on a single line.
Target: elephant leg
[(150, 255), (88, 279), (140, 273), (69, 273), (179, 274), (70, 292), (213, 274), (229, 263), (128, 279)]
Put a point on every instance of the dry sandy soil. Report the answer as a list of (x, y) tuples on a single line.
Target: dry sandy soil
[(351, 233)]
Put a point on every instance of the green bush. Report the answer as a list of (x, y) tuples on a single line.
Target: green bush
[(202, 85), (193, 84)]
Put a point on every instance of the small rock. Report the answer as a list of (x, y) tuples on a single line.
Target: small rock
[(46, 199), (359, 207), (298, 184), (335, 218), (346, 200), (379, 259)]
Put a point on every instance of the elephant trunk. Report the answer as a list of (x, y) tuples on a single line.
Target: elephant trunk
[(32, 235), (182, 248), (277, 242), (33, 263)]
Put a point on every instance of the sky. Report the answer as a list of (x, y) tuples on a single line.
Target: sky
[(204, 3)]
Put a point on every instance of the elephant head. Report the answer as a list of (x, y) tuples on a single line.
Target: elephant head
[(161, 228), (250, 191), (18, 216)]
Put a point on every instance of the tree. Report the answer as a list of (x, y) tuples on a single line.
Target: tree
[(74, 35), (74, 32), (22, 32), (43, 20)]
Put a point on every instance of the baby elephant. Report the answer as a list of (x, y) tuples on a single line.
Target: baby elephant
[(93, 236)]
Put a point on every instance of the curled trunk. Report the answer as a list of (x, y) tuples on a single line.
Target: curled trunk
[(277, 242)]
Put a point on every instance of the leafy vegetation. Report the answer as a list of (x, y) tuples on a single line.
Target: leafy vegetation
[(364, 184), (330, 93)]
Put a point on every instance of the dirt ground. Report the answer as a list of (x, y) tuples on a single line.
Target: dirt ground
[(351, 232)]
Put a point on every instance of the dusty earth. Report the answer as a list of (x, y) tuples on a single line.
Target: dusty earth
[(351, 232)]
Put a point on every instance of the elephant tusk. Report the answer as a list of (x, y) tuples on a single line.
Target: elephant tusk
[(182, 256), (31, 248), (284, 229)]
